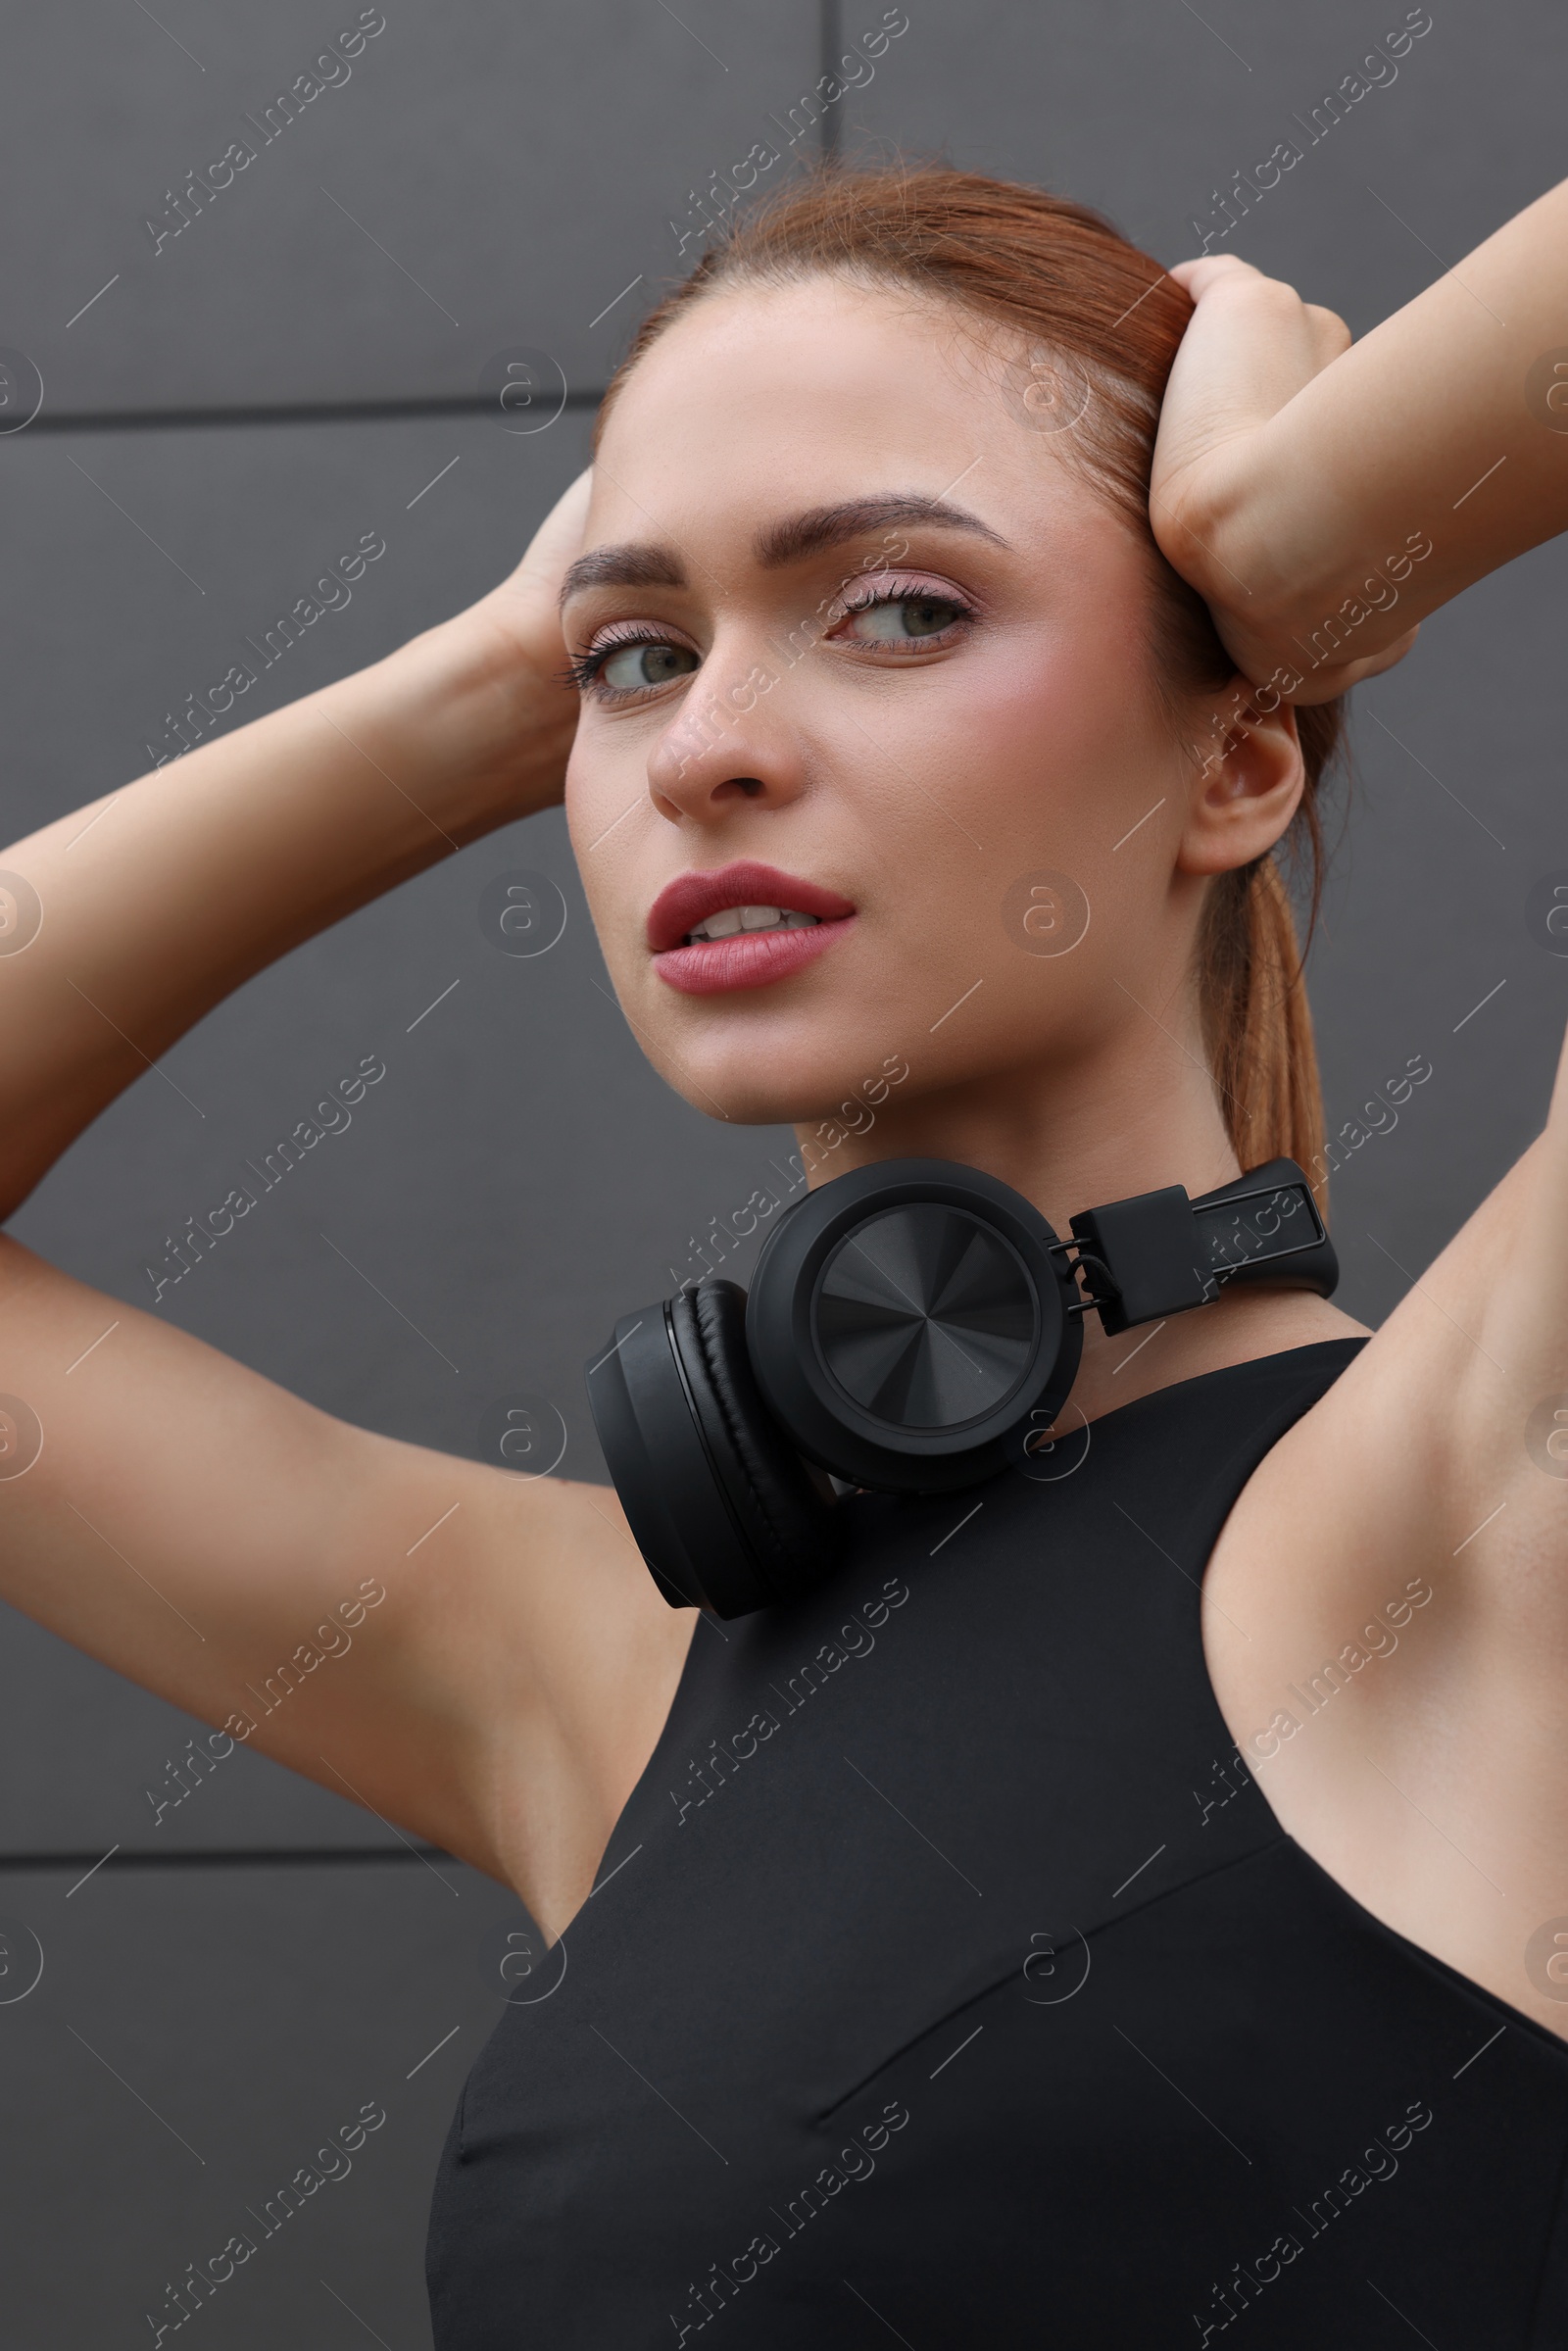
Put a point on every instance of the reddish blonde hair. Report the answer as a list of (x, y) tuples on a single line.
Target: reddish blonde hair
[(1059, 274)]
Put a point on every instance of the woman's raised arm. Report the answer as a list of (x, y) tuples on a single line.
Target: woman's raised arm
[(1324, 499), (151, 904), (402, 1626)]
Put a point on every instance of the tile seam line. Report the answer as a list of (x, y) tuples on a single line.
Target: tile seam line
[(223, 1857), (310, 412)]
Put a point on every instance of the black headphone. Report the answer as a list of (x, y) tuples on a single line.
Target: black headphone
[(912, 1327)]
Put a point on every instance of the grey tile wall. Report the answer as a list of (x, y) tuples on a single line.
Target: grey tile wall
[(471, 178), (191, 2039), (488, 177), (1149, 113)]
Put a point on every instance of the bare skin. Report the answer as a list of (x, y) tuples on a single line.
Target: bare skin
[(505, 1698)]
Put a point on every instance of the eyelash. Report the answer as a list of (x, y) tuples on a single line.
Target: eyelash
[(911, 592), (583, 670)]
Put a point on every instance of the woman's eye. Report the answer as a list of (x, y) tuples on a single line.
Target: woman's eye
[(905, 619), (633, 666)]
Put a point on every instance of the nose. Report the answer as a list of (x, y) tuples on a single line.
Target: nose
[(729, 743)]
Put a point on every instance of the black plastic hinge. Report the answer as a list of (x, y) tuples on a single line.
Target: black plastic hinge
[(1149, 1244)]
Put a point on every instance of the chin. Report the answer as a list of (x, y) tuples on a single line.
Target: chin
[(776, 1065), (746, 1087)]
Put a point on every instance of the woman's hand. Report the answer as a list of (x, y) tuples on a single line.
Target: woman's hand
[(527, 603), (1250, 346), (517, 716)]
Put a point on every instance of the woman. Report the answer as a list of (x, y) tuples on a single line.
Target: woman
[(992, 1938)]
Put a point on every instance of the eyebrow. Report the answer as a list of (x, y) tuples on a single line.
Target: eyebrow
[(646, 564), (631, 566), (824, 526)]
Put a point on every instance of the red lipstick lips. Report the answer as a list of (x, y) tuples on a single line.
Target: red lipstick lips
[(743, 957)]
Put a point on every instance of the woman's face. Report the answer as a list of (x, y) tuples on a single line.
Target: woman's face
[(844, 616)]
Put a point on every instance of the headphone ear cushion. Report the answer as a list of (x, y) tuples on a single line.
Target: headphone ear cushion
[(783, 1508)]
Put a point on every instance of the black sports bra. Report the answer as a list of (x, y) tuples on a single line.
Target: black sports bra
[(948, 1981)]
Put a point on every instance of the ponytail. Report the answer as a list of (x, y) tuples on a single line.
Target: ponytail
[(1258, 1024)]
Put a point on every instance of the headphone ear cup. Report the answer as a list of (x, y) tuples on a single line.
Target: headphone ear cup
[(782, 1507), (910, 1321)]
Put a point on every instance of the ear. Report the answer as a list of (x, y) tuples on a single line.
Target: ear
[(1247, 782)]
